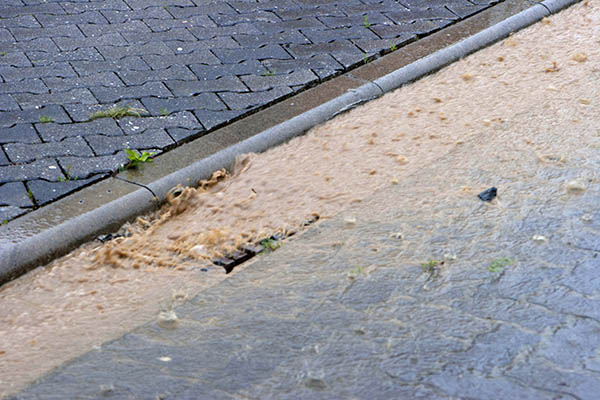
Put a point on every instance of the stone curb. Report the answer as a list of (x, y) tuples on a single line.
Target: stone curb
[(18, 258)]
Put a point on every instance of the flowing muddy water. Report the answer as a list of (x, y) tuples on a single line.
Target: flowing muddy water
[(537, 90)]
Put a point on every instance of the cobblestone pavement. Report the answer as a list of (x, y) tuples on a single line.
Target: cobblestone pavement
[(356, 308), (191, 64)]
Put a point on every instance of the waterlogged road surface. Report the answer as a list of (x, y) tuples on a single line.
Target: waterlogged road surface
[(521, 115)]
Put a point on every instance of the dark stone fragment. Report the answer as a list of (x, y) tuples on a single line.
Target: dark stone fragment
[(488, 194)]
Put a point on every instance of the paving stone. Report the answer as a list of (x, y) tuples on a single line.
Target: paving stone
[(94, 167), (109, 39), (179, 34), (242, 101), (374, 46), (226, 83), (71, 31), (40, 9), (15, 59), (106, 79), (102, 29), (111, 95), (317, 62), (46, 192), (357, 21), (300, 77), (250, 17), (3, 158), (270, 39), (465, 9), (117, 53), (5, 35), (142, 4), (279, 27), (212, 119), (203, 8), (12, 74), (150, 139), (55, 112), (24, 153), (344, 51), (20, 133), (179, 72), (43, 169), (418, 14), (77, 7), (41, 44), (330, 35), (87, 17), (14, 194), (85, 68), (82, 112), (147, 14), (231, 56), (8, 103), (82, 54), (181, 135), (220, 42), (203, 101), (205, 33), (58, 132), (418, 27), (10, 212), (200, 56), (29, 101), (211, 72), (309, 10), (26, 21), (135, 126)]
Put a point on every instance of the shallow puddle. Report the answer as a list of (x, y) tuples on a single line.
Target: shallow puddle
[(537, 90)]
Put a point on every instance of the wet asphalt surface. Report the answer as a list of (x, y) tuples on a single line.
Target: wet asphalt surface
[(187, 67)]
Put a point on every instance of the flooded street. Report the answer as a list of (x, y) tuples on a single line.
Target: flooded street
[(538, 97)]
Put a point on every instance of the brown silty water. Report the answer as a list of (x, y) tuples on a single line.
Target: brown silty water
[(534, 94)]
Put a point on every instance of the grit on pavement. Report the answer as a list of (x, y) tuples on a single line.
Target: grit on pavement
[(422, 290), (185, 66)]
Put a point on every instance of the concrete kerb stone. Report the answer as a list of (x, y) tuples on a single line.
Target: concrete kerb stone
[(18, 258)]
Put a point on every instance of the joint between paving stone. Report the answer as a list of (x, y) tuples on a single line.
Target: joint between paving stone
[(141, 185)]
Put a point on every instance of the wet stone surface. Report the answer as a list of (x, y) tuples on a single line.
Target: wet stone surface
[(352, 311), (60, 61)]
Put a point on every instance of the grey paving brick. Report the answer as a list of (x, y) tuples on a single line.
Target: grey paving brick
[(181, 135), (20, 133), (102, 29), (180, 72), (180, 34), (373, 18), (8, 103), (330, 35), (74, 96), (465, 9), (55, 32), (202, 57), (150, 139), (278, 27), (117, 53), (224, 42), (231, 56), (85, 68), (41, 44), (11, 74), (106, 79), (203, 101), (58, 132), (417, 27), (26, 21), (14, 59), (5, 35), (43, 169), (334, 48), (88, 17), (204, 33), (41, 9), (142, 4), (270, 5), (80, 7), (373, 46), (10, 212), (55, 112), (209, 72), (35, 86), (165, 24), (147, 14), (24, 153), (317, 62), (82, 54), (111, 95), (191, 88), (203, 8), (261, 83), (110, 39), (82, 112), (250, 17), (277, 38), (243, 101), (85, 167), (14, 194), (212, 119), (425, 13), (3, 159), (46, 192), (135, 126)]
